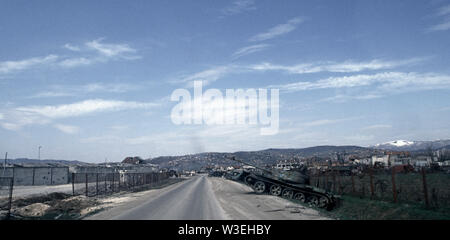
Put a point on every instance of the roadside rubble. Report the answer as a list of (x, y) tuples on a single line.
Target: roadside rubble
[(52, 206)]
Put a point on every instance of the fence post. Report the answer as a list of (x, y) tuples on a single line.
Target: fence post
[(119, 183), (353, 184), (11, 187), (34, 170), (372, 193), (51, 176), (96, 184), (151, 180), (317, 179), (334, 181), (86, 178), (112, 182), (339, 184), (425, 189), (363, 189), (394, 189), (73, 184)]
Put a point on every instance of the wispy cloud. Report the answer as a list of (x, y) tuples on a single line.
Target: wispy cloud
[(110, 50), (278, 30), (67, 128), (249, 50), (83, 108), (12, 66), (93, 52), (104, 52), (322, 122), (28, 115), (377, 127), (441, 26), (340, 98), (238, 7), (79, 61), (207, 76), (71, 47), (217, 72), (445, 10), (78, 90), (381, 83), (444, 13), (342, 67)]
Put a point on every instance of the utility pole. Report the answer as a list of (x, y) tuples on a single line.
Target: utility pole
[(39, 152)]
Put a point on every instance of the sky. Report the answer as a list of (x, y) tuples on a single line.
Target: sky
[(92, 80)]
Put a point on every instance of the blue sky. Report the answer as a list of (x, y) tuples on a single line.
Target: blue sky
[(90, 80)]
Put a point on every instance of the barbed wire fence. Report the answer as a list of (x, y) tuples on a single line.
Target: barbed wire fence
[(427, 187), (95, 184)]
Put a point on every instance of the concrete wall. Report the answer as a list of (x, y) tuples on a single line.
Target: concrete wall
[(37, 175), (60, 175)]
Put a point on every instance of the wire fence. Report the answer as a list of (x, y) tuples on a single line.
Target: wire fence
[(6, 191), (94, 184), (431, 188)]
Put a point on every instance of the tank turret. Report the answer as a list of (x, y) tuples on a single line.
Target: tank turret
[(295, 176)]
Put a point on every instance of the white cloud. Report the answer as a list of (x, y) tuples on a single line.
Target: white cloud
[(239, 6), (71, 47), (248, 50), (377, 127), (345, 98), (347, 66), (67, 128), (441, 27), (68, 90), (443, 12), (385, 82), (110, 50), (207, 76), (95, 52), (278, 30), (75, 62), (83, 107), (18, 117), (322, 122), (10, 66)]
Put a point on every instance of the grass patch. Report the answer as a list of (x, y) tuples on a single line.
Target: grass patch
[(355, 208)]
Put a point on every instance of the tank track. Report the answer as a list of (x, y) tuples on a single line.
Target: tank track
[(304, 193)]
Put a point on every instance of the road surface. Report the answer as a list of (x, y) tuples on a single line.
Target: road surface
[(205, 198)]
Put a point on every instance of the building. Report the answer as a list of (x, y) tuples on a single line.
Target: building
[(384, 160)]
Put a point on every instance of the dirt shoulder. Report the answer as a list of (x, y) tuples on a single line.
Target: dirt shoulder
[(240, 202)]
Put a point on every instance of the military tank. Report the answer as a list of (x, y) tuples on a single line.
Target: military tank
[(292, 184)]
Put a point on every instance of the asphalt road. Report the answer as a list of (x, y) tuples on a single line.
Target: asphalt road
[(205, 198), (192, 199)]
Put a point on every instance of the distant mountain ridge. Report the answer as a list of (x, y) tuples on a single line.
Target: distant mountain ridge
[(44, 162), (261, 157), (266, 156)]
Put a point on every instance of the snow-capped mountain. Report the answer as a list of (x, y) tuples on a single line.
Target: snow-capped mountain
[(404, 145), (397, 143)]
